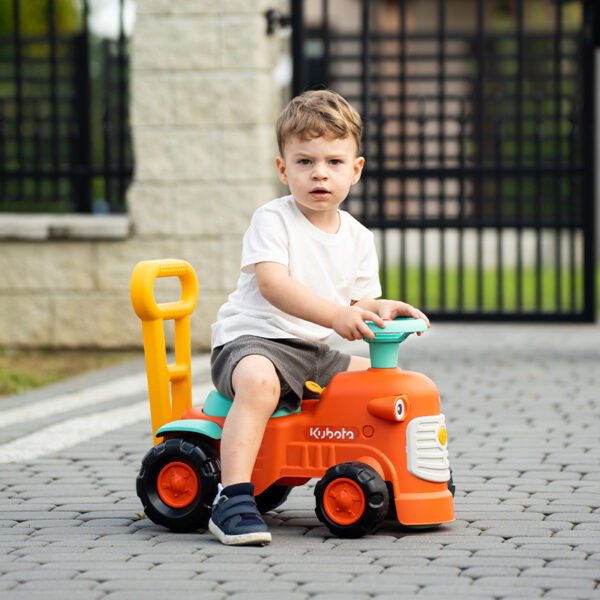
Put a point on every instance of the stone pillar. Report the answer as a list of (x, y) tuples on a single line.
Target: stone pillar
[(203, 112)]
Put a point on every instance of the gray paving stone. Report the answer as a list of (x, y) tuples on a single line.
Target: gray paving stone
[(515, 560), (167, 587), (273, 587), (68, 586), (379, 585), (429, 592), (49, 594), (296, 595), (150, 595)]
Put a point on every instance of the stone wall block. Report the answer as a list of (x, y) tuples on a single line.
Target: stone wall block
[(244, 42), (25, 320), (152, 208), (153, 99), (198, 154), (205, 257), (230, 263), (191, 7), (95, 321), (252, 150), (176, 154), (153, 7), (176, 43), (226, 98), (117, 260), (155, 152), (69, 265), (202, 319), (48, 266), (213, 209)]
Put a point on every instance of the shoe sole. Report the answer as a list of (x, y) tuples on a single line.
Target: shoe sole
[(258, 538)]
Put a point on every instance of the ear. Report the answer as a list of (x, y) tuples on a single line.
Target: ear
[(280, 162), (357, 167)]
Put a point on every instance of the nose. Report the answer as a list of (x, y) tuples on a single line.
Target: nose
[(319, 170)]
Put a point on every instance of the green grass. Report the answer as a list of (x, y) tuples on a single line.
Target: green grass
[(23, 370), (507, 291)]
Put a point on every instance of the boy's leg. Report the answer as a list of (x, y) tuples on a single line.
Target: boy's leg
[(236, 519), (256, 387)]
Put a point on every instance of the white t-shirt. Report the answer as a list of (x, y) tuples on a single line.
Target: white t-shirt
[(338, 266)]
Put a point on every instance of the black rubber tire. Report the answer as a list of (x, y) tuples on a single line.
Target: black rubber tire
[(203, 458), (272, 497), (375, 493), (451, 485)]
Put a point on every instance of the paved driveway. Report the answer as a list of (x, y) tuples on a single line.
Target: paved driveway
[(524, 423)]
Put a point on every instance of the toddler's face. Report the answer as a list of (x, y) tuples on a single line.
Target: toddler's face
[(319, 173)]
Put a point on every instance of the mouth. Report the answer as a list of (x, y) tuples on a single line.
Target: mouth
[(319, 193)]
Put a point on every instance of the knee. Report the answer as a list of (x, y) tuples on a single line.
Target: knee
[(256, 383), (259, 384)]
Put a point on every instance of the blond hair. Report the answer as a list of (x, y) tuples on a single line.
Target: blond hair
[(318, 113)]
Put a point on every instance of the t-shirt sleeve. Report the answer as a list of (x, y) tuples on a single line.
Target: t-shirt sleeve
[(266, 240), (367, 284)]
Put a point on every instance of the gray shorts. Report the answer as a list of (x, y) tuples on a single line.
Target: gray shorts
[(295, 361)]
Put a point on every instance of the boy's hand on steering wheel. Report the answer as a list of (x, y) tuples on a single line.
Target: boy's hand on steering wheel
[(390, 309), (349, 322)]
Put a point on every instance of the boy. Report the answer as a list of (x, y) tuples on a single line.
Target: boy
[(307, 269)]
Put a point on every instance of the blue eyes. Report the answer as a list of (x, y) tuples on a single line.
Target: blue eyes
[(307, 161)]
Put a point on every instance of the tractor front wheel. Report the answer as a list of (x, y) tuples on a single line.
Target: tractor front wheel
[(352, 499)]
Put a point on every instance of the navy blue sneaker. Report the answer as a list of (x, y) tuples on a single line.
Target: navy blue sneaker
[(235, 519)]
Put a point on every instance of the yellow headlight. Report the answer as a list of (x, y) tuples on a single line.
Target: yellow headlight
[(443, 436)]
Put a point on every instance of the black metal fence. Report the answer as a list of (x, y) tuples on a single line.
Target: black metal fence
[(64, 128), (479, 139)]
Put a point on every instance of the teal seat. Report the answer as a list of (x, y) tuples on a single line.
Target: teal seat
[(217, 405)]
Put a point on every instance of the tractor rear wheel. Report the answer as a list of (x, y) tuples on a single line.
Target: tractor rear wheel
[(177, 483)]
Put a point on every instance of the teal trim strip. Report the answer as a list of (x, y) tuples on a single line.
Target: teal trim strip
[(199, 426), (217, 405)]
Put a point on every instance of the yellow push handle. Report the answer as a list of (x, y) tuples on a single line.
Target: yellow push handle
[(165, 404)]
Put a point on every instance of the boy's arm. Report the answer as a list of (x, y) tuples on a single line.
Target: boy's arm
[(294, 298)]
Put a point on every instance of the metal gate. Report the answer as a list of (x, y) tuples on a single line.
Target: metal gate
[(479, 140), (65, 143)]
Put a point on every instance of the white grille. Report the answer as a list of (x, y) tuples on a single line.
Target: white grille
[(427, 458)]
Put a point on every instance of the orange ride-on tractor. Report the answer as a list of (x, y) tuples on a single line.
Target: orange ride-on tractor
[(375, 439)]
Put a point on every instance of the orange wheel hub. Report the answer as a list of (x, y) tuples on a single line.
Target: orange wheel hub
[(344, 501), (177, 484)]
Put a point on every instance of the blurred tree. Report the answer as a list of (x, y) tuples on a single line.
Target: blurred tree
[(35, 16)]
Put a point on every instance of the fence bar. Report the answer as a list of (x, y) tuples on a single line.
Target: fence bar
[(3, 187), (326, 43), (366, 91), (519, 150), (591, 23), (499, 130), (122, 91), (403, 118), (442, 145), (538, 205), (556, 73), (380, 196), (421, 120), (300, 75), (480, 114), (18, 73), (106, 121), (461, 207)]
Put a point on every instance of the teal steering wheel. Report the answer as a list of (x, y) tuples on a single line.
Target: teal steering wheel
[(384, 346)]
